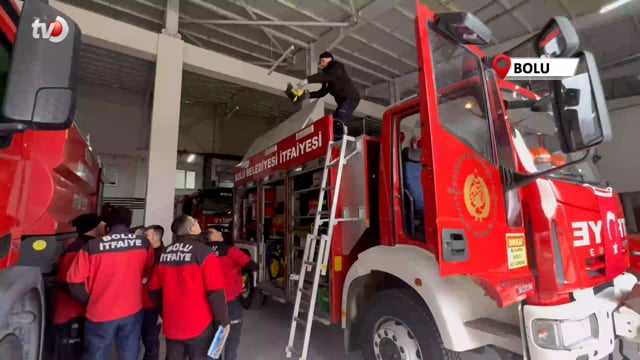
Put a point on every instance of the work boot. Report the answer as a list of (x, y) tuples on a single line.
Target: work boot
[(339, 130)]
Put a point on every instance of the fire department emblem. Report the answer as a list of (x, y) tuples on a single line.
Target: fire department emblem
[(476, 196)]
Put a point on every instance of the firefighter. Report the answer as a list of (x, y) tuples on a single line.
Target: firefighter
[(335, 81), (187, 287), (68, 313), (151, 322), (107, 275), (234, 262)]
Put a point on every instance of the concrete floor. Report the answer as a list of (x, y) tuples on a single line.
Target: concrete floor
[(266, 331)]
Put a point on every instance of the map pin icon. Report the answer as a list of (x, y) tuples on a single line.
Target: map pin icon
[(501, 64)]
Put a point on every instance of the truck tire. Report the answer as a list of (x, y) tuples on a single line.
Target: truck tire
[(251, 298), (398, 325), (11, 347)]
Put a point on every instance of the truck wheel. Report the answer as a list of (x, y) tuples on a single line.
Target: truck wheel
[(11, 347), (250, 298), (397, 326)]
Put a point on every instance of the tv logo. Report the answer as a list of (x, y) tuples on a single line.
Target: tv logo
[(534, 68), (54, 31)]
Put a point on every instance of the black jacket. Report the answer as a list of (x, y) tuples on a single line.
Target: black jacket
[(335, 81)]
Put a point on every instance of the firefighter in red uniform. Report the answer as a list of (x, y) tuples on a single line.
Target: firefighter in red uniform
[(234, 262), (107, 275), (68, 313), (152, 320), (187, 287)]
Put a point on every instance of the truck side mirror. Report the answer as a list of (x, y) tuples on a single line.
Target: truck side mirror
[(41, 85), (463, 27), (558, 38), (581, 112)]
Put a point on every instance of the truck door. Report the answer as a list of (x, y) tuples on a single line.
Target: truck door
[(459, 163)]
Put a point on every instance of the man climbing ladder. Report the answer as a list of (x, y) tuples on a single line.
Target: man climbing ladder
[(335, 81)]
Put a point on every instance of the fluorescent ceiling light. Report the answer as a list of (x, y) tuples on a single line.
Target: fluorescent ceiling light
[(613, 5), (191, 157)]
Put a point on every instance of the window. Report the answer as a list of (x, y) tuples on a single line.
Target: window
[(185, 179), (410, 170), (506, 159), (537, 144), (461, 99)]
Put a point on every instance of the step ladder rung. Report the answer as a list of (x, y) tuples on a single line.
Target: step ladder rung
[(310, 263), (348, 219), (305, 291), (301, 321), (333, 162), (329, 188), (290, 351)]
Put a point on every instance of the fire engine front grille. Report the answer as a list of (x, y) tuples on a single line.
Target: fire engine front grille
[(595, 266)]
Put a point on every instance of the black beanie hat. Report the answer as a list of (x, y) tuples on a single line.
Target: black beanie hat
[(86, 222), (326, 54)]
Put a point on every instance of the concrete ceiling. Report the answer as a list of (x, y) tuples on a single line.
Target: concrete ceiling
[(374, 38)]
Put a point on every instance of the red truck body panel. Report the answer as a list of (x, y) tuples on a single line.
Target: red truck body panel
[(305, 145), (48, 178)]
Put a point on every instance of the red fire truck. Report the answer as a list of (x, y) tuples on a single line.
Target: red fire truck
[(210, 206), (48, 174), (449, 231)]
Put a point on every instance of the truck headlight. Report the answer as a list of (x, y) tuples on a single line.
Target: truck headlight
[(564, 334)]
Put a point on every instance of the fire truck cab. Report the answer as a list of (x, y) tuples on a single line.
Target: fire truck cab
[(48, 174), (210, 207), (469, 234)]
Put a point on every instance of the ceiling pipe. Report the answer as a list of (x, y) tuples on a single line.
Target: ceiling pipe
[(267, 23), (281, 58)]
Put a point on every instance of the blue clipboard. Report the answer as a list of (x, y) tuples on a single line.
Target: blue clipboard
[(217, 344)]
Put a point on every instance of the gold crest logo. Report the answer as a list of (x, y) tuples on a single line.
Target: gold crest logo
[(476, 197)]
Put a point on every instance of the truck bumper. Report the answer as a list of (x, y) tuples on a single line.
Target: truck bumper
[(583, 329)]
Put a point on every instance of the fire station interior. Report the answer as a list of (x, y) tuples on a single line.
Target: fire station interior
[(184, 105)]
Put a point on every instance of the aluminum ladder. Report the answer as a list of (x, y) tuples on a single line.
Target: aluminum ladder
[(317, 263)]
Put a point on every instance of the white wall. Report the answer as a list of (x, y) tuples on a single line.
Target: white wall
[(620, 163), (116, 119), (117, 123)]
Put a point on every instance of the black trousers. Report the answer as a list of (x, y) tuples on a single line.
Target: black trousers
[(230, 351), (150, 334), (342, 115), (192, 349), (69, 340), (344, 111)]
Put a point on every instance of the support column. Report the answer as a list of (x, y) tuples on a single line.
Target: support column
[(312, 60), (172, 18), (312, 68), (394, 92), (219, 116), (165, 121)]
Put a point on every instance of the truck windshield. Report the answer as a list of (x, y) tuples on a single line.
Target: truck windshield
[(216, 206), (539, 148)]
